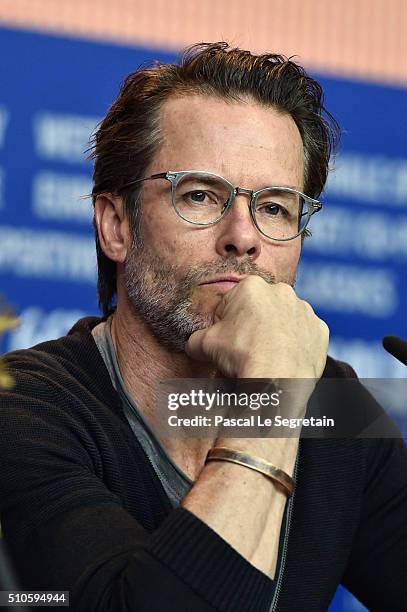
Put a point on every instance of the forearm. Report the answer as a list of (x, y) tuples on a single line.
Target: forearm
[(243, 506)]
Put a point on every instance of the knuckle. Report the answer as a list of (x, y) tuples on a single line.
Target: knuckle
[(285, 288), (324, 329), (307, 307), (308, 310), (324, 326)]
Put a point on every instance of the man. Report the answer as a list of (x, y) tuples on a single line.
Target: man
[(93, 500)]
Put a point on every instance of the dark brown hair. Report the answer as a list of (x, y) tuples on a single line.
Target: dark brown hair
[(129, 136)]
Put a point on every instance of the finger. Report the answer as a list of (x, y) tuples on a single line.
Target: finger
[(220, 309), (224, 302), (194, 347)]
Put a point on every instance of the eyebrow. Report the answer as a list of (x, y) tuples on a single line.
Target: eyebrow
[(209, 180), (274, 184), (282, 185)]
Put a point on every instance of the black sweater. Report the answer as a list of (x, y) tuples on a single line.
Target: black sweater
[(83, 510)]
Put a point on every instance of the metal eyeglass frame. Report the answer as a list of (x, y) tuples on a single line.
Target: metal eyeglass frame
[(174, 178)]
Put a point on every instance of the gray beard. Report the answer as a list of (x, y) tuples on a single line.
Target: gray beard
[(162, 293)]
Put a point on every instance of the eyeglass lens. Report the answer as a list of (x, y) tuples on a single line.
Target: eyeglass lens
[(202, 198)]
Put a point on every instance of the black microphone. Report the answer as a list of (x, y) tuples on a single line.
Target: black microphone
[(397, 347)]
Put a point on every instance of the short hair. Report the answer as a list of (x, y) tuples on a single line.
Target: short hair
[(126, 140)]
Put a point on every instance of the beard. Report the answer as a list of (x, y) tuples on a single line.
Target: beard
[(162, 293)]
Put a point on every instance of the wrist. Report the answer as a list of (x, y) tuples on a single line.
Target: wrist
[(281, 452), (277, 475)]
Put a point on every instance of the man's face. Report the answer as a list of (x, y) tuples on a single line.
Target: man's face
[(168, 278)]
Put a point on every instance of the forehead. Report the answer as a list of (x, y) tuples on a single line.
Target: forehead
[(246, 142)]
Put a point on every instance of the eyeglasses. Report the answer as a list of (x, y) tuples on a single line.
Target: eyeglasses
[(204, 198)]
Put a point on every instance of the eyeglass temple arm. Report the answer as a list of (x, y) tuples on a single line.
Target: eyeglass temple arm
[(315, 206), (148, 178)]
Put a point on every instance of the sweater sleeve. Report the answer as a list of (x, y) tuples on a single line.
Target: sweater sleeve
[(67, 530), (377, 568)]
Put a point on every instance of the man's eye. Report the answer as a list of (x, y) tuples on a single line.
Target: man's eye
[(272, 210), (197, 196)]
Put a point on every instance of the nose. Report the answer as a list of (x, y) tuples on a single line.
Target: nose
[(236, 233)]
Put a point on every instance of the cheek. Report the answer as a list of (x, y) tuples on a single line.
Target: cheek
[(282, 260), (167, 234)]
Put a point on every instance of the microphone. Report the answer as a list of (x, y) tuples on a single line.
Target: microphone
[(397, 347)]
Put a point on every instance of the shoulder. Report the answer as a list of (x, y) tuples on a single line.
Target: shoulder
[(67, 373), (77, 341), (62, 407), (380, 438), (64, 357)]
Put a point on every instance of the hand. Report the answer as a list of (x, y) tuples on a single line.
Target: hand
[(263, 331)]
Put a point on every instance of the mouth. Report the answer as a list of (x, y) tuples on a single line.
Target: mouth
[(224, 282)]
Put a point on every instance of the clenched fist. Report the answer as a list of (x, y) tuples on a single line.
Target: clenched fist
[(263, 331)]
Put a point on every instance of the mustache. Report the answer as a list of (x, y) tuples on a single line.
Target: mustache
[(203, 272)]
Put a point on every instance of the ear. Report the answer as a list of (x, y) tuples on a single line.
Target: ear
[(112, 226)]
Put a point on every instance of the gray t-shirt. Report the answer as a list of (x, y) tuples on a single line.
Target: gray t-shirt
[(174, 481)]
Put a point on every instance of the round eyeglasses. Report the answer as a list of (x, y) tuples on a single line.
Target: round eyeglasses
[(203, 198)]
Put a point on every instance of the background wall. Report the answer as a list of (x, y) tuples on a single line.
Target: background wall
[(61, 64), (365, 38)]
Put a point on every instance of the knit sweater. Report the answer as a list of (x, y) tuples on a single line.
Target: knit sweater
[(83, 510)]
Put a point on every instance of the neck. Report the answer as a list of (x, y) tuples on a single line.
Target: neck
[(144, 362)]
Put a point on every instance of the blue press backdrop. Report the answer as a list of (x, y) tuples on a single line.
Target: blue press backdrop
[(53, 92)]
